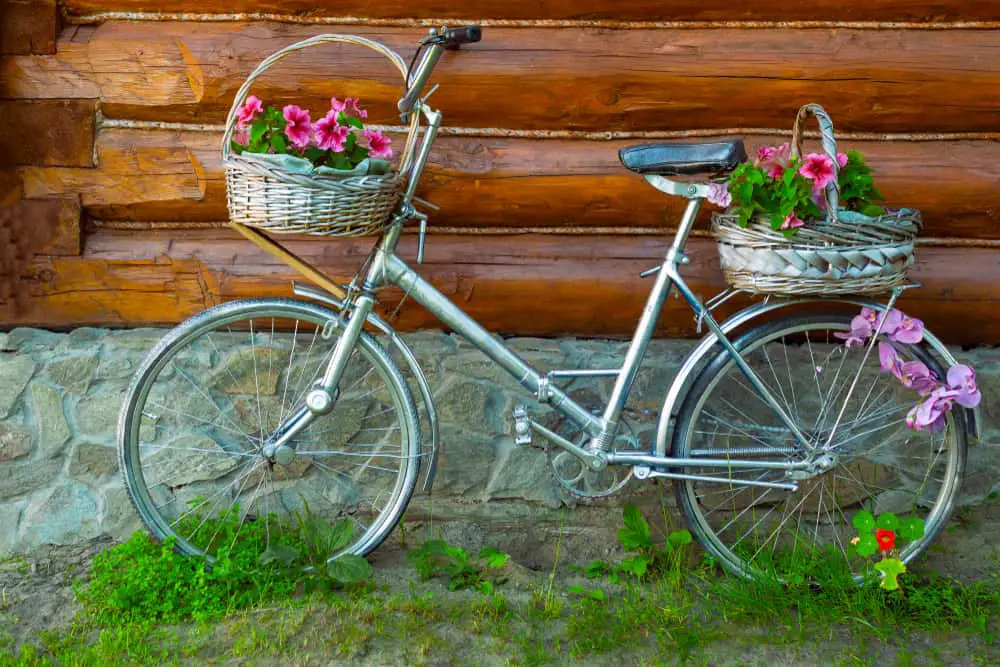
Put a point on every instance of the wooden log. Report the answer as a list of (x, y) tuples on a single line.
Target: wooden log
[(168, 175), (58, 221), (543, 78), (618, 10), (529, 284), (28, 26), (48, 132)]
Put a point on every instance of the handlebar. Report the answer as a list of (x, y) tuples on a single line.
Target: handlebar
[(436, 43)]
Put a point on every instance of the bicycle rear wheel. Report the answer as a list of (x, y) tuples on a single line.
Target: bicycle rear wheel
[(878, 463), (208, 397)]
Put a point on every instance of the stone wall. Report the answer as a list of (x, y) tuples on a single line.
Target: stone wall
[(60, 394)]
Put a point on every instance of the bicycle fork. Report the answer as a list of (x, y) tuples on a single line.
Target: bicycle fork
[(320, 400)]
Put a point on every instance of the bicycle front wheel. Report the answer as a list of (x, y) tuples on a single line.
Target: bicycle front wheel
[(209, 396), (850, 411)]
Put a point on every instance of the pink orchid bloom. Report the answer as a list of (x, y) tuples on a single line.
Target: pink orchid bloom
[(718, 194), (889, 360), (298, 127), (962, 379), (861, 330), (891, 321), (349, 106), (791, 222), (842, 159), (379, 145), (916, 375), (819, 169), (906, 329), (329, 134), (250, 108), (929, 414)]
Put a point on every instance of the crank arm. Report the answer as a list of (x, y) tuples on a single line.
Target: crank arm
[(593, 460)]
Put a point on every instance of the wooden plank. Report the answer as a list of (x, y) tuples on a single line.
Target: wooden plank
[(48, 132), (169, 175), (28, 26), (616, 10), (544, 78), (57, 221), (529, 284)]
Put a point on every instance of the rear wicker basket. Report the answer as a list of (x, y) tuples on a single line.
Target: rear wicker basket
[(278, 201), (848, 253)]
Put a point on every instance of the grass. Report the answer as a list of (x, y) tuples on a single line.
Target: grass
[(140, 607)]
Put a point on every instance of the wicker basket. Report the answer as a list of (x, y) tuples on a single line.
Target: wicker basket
[(848, 253), (279, 201)]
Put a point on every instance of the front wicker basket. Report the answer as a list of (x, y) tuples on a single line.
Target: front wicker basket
[(278, 201), (848, 253)]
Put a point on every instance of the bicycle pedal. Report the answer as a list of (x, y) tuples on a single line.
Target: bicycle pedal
[(522, 426)]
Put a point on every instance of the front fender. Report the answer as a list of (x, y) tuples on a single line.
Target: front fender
[(687, 373)]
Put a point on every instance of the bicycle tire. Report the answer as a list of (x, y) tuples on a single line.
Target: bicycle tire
[(153, 435), (714, 532)]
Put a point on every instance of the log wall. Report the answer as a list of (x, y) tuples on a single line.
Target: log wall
[(120, 196)]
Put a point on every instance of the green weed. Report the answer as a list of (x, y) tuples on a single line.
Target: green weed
[(437, 558)]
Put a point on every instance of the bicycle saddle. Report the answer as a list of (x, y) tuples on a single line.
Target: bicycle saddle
[(714, 158)]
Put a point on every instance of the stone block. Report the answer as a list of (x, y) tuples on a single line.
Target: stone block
[(73, 373), (53, 431), (15, 441), (116, 367), (96, 417), (15, 372), (25, 339), (465, 405), (64, 514), (521, 474), (464, 463), (20, 477), (118, 516), (10, 517), (92, 463)]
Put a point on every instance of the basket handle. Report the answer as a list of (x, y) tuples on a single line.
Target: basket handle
[(267, 63), (832, 191)]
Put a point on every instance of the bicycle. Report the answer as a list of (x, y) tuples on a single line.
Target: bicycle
[(772, 432)]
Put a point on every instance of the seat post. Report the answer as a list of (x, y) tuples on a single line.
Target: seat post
[(694, 193)]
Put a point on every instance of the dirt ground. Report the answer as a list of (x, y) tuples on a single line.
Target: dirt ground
[(36, 594)]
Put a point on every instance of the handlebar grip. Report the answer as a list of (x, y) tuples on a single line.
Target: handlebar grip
[(452, 38)]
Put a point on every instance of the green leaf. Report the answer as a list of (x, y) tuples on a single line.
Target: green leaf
[(887, 521), (257, 130), (349, 569), (341, 535), (279, 143), (863, 521), (315, 155), (890, 569), (635, 565), (597, 594), (494, 559), (351, 121), (235, 147), (911, 528), (872, 210), (679, 538), (278, 553), (635, 535), (485, 587), (867, 545)]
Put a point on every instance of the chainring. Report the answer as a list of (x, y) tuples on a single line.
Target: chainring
[(577, 479)]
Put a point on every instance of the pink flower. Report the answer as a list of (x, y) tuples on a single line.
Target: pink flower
[(861, 330), (718, 194), (791, 222), (242, 136), (379, 145), (819, 169), (842, 159), (902, 328), (250, 108), (929, 414), (916, 375), (349, 106), (330, 135), (773, 160), (298, 127), (889, 361), (962, 379)]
